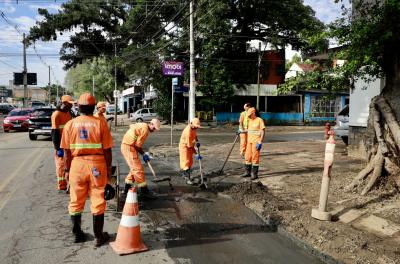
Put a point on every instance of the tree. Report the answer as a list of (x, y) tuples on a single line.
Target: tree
[(371, 39), (295, 59)]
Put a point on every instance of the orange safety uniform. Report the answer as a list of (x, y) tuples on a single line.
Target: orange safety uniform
[(255, 127), (244, 119), (100, 115), (58, 121), (87, 137), (134, 137), (186, 147)]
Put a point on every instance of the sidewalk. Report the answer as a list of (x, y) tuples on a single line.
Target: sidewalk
[(365, 229)]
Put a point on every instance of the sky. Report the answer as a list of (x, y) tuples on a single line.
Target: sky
[(20, 17)]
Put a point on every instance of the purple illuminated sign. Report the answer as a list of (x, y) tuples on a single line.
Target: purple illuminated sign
[(172, 68)]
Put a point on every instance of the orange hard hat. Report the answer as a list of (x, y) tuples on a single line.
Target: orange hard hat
[(251, 111), (67, 99), (101, 104), (156, 123), (86, 99), (195, 122)]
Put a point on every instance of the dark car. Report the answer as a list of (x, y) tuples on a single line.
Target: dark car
[(40, 122), (5, 108), (17, 119)]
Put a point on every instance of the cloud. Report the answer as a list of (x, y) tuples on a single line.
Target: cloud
[(327, 10), (8, 7), (24, 22)]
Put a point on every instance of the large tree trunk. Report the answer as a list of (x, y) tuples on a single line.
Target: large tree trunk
[(382, 140)]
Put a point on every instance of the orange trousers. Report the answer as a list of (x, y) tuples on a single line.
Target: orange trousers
[(61, 181), (87, 176), (243, 143), (252, 155), (186, 157), (136, 170)]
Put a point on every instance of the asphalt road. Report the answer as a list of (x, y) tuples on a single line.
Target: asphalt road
[(184, 226)]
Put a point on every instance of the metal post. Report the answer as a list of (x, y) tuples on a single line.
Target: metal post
[(93, 85), (49, 88), (115, 86), (25, 74), (172, 110), (258, 75), (192, 91)]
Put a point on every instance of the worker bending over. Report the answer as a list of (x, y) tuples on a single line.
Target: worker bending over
[(255, 137), (187, 145), (132, 143), (243, 123), (58, 120), (87, 143)]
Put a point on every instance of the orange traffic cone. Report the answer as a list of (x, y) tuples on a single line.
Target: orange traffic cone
[(129, 239)]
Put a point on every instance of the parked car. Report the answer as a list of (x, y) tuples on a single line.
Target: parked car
[(40, 122), (342, 125), (37, 104), (110, 110), (5, 108), (144, 114), (17, 119)]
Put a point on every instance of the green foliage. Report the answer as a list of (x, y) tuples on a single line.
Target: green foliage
[(370, 37), (295, 59), (315, 80)]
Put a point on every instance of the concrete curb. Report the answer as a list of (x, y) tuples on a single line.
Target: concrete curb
[(297, 241)]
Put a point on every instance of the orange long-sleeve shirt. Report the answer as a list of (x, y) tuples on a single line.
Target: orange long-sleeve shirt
[(136, 135), (188, 137)]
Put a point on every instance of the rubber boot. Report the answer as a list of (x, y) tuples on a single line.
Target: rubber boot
[(76, 228), (254, 173), (145, 193), (101, 237), (127, 187), (187, 177), (248, 171)]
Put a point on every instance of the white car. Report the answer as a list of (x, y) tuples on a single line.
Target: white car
[(342, 125), (144, 114)]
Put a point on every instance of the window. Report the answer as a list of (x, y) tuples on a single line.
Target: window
[(151, 111), (145, 111), (322, 106), (43, 112)]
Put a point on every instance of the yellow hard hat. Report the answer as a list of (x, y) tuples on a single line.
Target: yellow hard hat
[(101, 104), (156, 123)]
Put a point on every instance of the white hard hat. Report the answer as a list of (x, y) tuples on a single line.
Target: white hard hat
[(156, 123)]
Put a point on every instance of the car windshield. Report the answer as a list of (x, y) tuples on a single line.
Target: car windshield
[(344, 111), (43, 112), (19, 113)]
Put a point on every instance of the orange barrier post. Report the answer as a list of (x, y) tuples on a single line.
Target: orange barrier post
[(129, 239), (327, 129), (321, 213)]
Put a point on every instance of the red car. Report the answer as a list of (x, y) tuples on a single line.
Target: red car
[(17, 119)]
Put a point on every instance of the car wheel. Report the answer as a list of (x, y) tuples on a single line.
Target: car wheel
[(32, 137), (139, 120), (345, 140)]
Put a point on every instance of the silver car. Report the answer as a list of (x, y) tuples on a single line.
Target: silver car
[(144, 114), (342, 124)]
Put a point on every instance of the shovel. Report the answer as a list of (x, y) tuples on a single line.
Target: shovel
[(229, 154), (157, 179), (202, 185)]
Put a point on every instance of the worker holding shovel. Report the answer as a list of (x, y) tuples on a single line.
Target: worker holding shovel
[(187, 145), (132, 143)]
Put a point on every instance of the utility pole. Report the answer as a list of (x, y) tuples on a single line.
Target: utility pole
[(258, 76), (115, 86), (49, 88), (25, 74), (192, 91), (93, 85)]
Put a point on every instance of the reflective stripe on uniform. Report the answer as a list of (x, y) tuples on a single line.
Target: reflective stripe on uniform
[(86, 146), (75, 213), (129, 221), (142, 184), (60, 179), (254, 132), (61, 126)]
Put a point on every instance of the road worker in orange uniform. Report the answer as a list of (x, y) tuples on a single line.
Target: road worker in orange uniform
[(87, 143), (132, 144), (187, 145), (243, 122), (101, 109), (255, 137), (58, 120)]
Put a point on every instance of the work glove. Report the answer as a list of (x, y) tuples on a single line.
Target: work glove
[(60, 153), (198, 144), (146, 157), (198, 157), (258, 146)]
